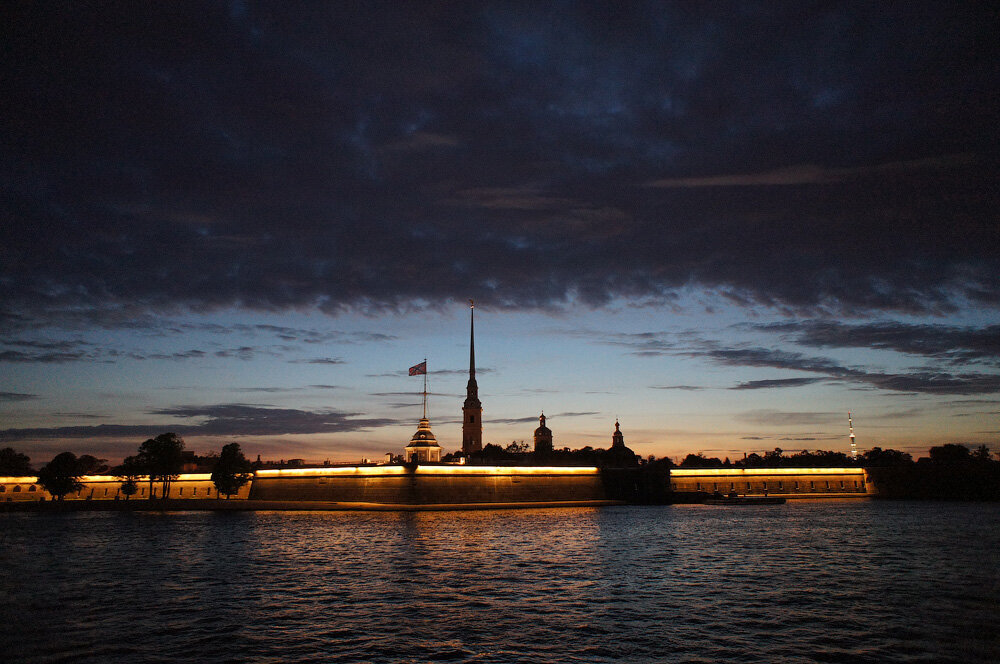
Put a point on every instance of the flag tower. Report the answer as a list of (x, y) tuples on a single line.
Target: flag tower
[(472, 410), (423, 447)]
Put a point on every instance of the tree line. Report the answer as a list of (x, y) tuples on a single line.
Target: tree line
[(159, 460), (876, 457)]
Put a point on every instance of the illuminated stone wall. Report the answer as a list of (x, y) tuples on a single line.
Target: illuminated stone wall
[(431, 485), (788, 482), (108, 487)]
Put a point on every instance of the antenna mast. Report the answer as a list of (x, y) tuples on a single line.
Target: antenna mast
[(854, 446)]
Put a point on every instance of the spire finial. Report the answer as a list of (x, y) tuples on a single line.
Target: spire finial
[(472, 340)]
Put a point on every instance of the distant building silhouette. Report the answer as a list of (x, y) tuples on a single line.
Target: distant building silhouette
[(619, 455), (543, 439)]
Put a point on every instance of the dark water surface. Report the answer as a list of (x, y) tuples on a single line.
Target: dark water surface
[(803, 582)]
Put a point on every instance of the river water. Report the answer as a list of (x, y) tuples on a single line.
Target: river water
[(802, 582)]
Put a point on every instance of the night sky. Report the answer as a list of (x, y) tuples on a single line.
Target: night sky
[(726, 224)]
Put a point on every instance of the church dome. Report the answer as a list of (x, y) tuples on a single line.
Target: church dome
[(542, 429), (620, 455), (543, 439), (424, 437)]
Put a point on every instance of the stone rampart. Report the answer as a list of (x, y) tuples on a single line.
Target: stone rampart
[(786, 482), (432, 485), (187, 486)]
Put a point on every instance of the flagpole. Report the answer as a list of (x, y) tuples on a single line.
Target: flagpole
[(425, 388)]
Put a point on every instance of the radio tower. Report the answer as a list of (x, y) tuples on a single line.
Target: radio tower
[(854, 445)]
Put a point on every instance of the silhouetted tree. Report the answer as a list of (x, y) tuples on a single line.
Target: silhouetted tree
[(950, 453), (91, 465), (700, 461), (981, 454), (232, 470), (492, 451), (61, 475), (774, 459), (752, 460), (876, 457), (517, 447), (129, 473), (14, 464), (162, 459)]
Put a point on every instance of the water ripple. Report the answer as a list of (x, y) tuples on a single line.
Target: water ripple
[(816, 582)]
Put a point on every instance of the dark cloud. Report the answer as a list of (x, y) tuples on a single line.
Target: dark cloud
[(281, 390), (410, 394), (217, 420), (45, 357), (192, 354), (159, 158), (534, 418), (686, 388), (267, 390), (776, 382), (17, 396), (810, 174), (438, 372), (929, 380), (76, 351), (926, 382), (786, 418), (320, 360), (242, 353), (957, 345), (298, 334), (60, 345)]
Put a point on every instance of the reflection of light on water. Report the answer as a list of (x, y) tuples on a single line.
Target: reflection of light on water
[(547, 585)]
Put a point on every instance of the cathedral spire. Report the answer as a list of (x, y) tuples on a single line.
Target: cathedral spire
[(472, 341), (472, 411)]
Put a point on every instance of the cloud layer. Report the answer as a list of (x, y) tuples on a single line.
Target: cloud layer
[(162, 158), (215, 420)]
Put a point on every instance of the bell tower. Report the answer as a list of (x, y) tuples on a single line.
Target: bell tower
[(472, 411)]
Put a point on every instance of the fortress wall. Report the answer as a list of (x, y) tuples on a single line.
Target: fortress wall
[(431, 485), (788, 482), (108, 487), (455, 485)]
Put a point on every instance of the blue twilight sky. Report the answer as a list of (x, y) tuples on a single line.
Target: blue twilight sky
[(725, 225)]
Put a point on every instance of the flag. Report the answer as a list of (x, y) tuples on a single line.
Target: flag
[(418, 369)]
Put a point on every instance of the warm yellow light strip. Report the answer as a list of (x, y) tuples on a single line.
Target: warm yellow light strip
[(184, 477), (429, 470), (743, 472), (507, 470), (341, 470)]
